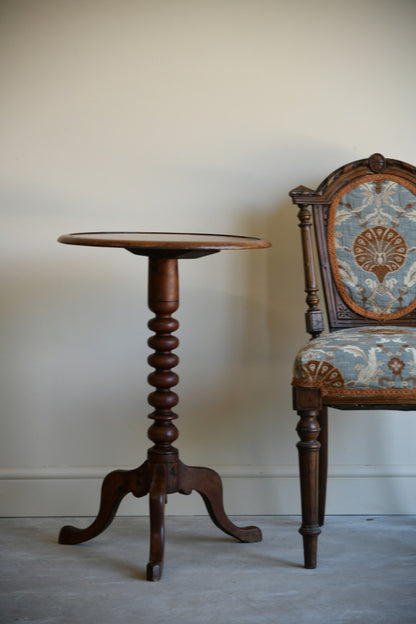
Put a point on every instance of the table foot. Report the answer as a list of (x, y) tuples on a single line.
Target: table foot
[(208, 483), (157, 502), (115, 487)]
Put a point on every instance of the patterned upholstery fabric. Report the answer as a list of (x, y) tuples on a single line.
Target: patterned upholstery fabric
[(372, 247), (364, 360)]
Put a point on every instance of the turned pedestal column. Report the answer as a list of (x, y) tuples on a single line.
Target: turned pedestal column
[(162, 473)]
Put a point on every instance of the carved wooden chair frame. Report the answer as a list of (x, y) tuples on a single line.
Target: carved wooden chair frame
[(309, 402)]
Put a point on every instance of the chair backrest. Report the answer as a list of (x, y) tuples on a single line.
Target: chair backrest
[(364, 216)]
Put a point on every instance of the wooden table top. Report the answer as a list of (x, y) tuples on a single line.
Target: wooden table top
[(163, 241)]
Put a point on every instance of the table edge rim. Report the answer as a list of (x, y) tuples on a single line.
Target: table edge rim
[(71, 239)]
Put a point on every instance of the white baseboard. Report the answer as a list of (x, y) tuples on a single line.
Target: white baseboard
[(248, 490)]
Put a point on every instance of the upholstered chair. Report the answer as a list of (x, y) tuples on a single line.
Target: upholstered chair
[(364, 219)]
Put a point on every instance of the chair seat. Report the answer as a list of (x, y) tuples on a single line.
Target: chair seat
[(360, 361)]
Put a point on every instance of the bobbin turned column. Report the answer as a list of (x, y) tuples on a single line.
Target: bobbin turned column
[(163, 300)]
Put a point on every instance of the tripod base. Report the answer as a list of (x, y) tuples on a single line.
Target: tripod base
[(158, 479)]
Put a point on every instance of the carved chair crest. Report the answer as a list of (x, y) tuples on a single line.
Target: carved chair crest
[(364, 215)]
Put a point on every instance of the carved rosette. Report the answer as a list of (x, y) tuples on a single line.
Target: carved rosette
[(376, 162)]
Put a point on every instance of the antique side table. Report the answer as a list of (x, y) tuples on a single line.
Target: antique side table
[(162, 473)]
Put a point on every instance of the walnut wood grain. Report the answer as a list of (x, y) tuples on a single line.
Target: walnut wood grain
[(162, 473), (159, 241)]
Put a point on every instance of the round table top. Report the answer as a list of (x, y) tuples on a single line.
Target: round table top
[(159, 241)]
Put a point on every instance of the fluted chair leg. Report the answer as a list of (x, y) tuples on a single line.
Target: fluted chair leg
[(308, 404), (323, 463)]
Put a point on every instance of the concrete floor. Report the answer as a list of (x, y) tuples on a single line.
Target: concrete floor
[(366, 573)]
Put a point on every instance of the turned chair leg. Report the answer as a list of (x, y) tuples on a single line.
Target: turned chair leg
[(307, 401), (323, 463), (308, 430)]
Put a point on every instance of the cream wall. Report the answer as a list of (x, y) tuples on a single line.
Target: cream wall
[(183, 115)]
